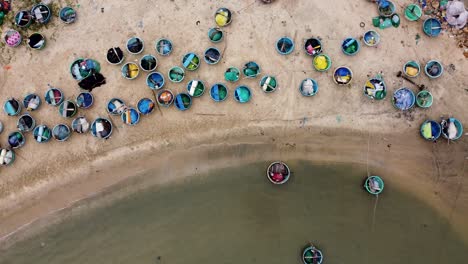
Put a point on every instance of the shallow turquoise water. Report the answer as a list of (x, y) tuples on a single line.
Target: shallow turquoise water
[(236, 216)]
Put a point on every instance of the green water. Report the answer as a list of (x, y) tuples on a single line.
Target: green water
[(236, 216)]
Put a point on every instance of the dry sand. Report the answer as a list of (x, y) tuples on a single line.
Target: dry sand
[(340, 121)]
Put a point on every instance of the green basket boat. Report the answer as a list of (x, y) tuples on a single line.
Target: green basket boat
[(176, 74), (196, 88), (268, 83), (312, 255), (374, 185), (424, 99), (251, 69), (191, 61), (219, 92), (215, 35), (242, 94), (232, 74), (413, 12)]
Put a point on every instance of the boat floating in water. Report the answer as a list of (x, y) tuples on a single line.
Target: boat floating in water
[(452, 128), (7, 156), (278, 172), (26, 123), (80, 125), (42, 133), (101, 128), (374, 185), (430, 130), (312, 255)]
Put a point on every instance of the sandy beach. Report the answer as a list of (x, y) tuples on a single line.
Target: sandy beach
[(339, 124)]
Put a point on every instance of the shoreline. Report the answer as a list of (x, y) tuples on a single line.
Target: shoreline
[(348, 148)]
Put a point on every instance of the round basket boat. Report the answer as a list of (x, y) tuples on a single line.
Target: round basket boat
[(212, 55), (135, 45), (12, 38), (387, 10), (82, 68), (424, 99), (183, 101), (145, 106), (371, 38), (36, 41), (251, 69), (68, 109), (116, 106), (375, 88), (155, 80), (67, 15), (278, 172), (285, 45), (176, 74), (80, 125), (61, 132), (53, 96), (312, 255), (148, 63), (26, 123), (350, 46), (1, 127), (12, 107), (16, 140), (130, 70), (101, 128), (413, 12), (452, 128), (163, 47), (195, 88), (41, 13), (215, 35), (7, 157), (223, 17), (322, 62), (308, 87), (32, 102), (403, 99), (432, 27), (115, 56), (84, 100), (165, 98), (218, 92), (433, 69), (342, 75), (313, 46), (430, 130), (411, 68), (130, 116), (23, 19), (232, 74), (191, 61), (242, 94), (42, 133), (268, 83), (374, 185)]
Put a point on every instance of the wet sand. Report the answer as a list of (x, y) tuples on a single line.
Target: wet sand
[(339, 121)]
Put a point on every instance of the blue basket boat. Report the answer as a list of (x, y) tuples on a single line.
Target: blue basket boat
[(84, 100), (145, 106), (135, 45), (342, 75), (312, 255), (374, 185), (26, 123), (432, 27), (242, 94), (130, 116), (195, 88), (42, 133), (116, 106), (183, 101), (285, 45), (219, 92), (155, 80), (452, 128), (67, 15), (12, 107), (191, 61), (163, 47), (212, 55), (433, 69), (430, 130), (371, 38), (32, 102), (309, 87), (16, 140), (148, 63), (61, 132), (101, 128), (403, 99)]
